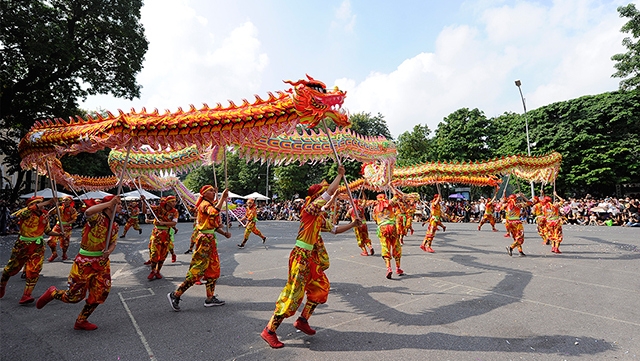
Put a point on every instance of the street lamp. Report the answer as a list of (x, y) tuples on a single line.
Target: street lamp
[(526, 124)]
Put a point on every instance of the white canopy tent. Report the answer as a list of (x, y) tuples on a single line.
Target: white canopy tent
[(257, 196), (233, 195), (135, 195), (93, 195), (46, 193)]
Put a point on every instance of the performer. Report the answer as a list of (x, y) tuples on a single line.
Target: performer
[(307, 262), (91, 269), (513, 207), (489, 209), (554, 222), (134, 211), (362, 231), (251, 216), (69, 215), (384, 213), (435, 221), (162, 234), (28, 251), (411, 211), (205, 261), (538, 210), (401, 220)]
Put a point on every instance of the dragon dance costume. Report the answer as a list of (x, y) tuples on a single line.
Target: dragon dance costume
[(538, 210), (68, 215), (385, 216), (308, 262), (512, 209), (553, 224), (28, 251), (133, 221), (205, 262), (362, 232), (91, 269), (489, 209), (162, 235), (252, 218), (435, 220)]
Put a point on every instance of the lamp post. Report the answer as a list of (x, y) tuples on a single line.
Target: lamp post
[(526, 124)]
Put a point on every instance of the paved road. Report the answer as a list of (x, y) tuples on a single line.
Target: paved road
[(467, 301)]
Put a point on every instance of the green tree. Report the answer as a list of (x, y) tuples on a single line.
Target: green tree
[(628, 64), (56, 52), (598, 137), (415, 147), (463, 135)]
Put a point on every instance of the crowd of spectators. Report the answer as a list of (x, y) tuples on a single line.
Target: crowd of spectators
[(587, 211)]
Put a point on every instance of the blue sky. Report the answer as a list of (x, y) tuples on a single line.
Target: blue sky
[(415, 62)]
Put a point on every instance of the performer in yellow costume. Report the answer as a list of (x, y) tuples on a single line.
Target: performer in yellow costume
[(252, 218), (28, 251), (513, 207), (68, 215), (538, 207), (205, 262), (134, 211), (91, 269), (489, 209), (435, 221), (362, 231), (307, 262), (384, 214), (554, 222), (162, 234)]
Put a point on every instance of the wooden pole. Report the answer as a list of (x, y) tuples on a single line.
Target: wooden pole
[(113, 210), (335, 153)]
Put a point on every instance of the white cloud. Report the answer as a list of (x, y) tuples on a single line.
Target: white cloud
[(190, 62), (344, 18), (559, 52)]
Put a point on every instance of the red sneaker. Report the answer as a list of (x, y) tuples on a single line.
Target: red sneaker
[(372, 251), (53, 256), (2, 289), (430, 250), (26, 299), (64, 257), (478, 228), (495, 230), (158, 275), (198, 282), (422, 247), (389, 272), (46, 297), (364, 253), (173, 258), (303, 325), (271, 338), (444, 229), (151, 275), (84, 325), (148, 262), (399, 271), (506, 235)]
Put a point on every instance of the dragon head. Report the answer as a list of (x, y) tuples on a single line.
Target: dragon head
[(314, 102)]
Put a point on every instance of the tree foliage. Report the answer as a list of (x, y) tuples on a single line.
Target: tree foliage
[(462, 136), (56, 52), (628, 64)]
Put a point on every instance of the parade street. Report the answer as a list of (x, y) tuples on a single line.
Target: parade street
[(467, 301)]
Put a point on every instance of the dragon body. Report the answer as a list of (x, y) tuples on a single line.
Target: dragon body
[(308, 102)]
